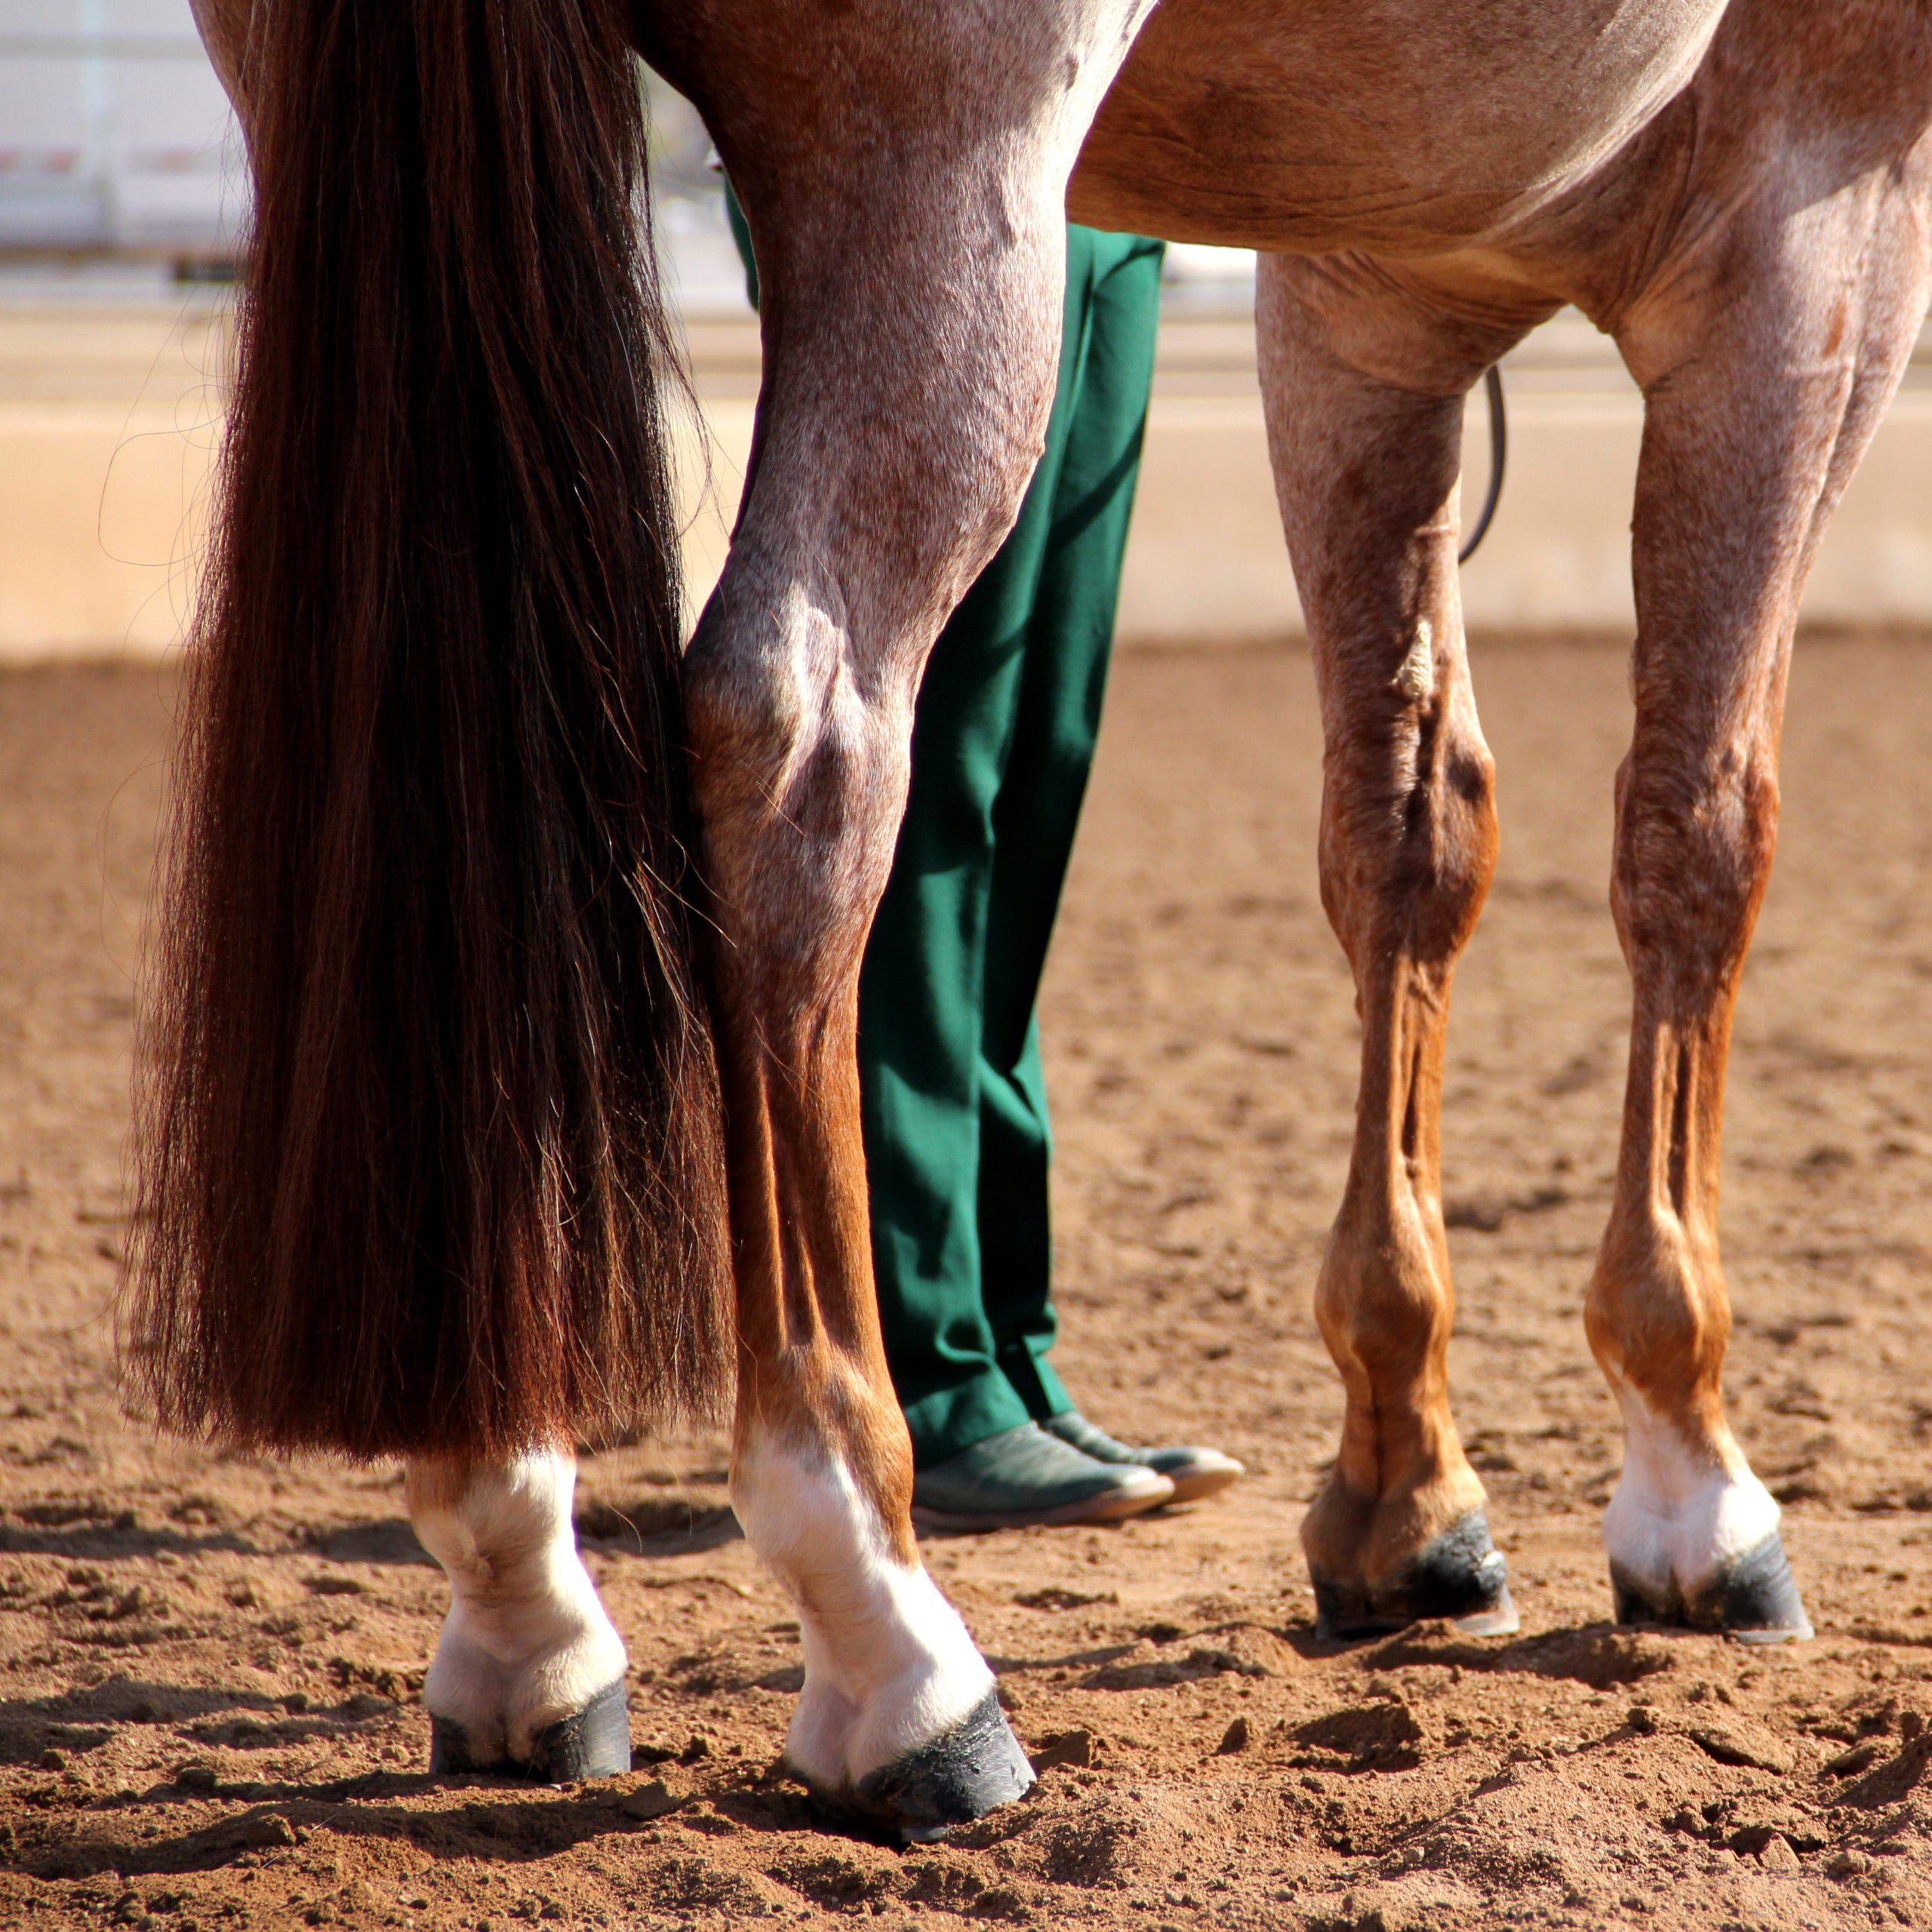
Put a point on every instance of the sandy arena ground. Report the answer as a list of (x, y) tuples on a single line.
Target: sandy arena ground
[(210, 1667)]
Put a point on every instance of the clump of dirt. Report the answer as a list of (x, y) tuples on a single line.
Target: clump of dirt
[(211, 1667), (1112, 1839), (1380, 1736)]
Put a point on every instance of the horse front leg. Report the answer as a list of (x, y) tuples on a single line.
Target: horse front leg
[(1757, 413), (1364, 387)]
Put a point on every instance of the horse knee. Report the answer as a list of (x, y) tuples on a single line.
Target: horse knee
[(1409, 847), (1693, 858)]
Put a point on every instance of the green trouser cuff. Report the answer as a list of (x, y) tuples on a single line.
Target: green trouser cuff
[(1023, 1389), (1032, 1379), (950, 1420)]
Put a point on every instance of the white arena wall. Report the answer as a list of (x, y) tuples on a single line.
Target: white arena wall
[(110, 414)]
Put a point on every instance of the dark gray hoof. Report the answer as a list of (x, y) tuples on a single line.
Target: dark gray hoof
[(593, 1743), (974, 1768), (1755, 1600), (1461, 1576)]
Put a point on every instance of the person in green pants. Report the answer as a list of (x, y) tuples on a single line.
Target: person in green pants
[(958, 1144)]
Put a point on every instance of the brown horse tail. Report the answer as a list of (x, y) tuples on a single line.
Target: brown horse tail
[(430, 1158)]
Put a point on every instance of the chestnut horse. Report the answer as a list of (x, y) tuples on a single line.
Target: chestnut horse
[(511, 953)]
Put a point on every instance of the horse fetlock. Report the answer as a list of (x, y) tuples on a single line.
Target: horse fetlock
[(1692, 1536), (528, 1675), (898, 1722)]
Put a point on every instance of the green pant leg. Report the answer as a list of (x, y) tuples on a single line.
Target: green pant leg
[(1069, 641), (921, 988), (741, 235)]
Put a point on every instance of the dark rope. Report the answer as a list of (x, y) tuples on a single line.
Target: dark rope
[(1499, 449)]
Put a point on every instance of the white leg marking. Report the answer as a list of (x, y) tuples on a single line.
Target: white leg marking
[(527, 1641), (1417, 678), (1681, 1515), (888, 1664)]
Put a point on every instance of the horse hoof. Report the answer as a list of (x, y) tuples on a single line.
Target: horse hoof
[(593, 1742), (961, 1775), (1754, 1599), (1461, 1576)]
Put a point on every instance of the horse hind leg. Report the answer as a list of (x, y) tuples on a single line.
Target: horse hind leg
[(1758, 410), (801, 725), (1364, 384), (901, 413)]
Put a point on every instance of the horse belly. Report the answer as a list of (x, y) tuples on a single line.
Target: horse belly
[(1400, 126)]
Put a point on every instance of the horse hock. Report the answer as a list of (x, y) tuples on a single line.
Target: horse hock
[(528, 1677)]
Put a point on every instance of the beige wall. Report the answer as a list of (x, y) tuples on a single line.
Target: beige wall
[(97, 529), (109, 423), (1206, 561)]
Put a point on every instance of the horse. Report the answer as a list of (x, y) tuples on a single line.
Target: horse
[(501, 1091)]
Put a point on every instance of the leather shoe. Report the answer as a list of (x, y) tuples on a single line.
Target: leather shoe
[(1023, 1476), (1194, 1472)]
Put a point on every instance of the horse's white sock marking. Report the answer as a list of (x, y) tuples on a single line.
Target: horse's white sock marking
[(1680, 1516), (889, 1666), (1417, 678), (527, 1641)]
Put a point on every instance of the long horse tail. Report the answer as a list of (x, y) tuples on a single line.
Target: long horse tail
[(430, 1152)]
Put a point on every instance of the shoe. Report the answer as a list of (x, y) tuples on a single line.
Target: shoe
[(1194, 1472), (1024, 1475)]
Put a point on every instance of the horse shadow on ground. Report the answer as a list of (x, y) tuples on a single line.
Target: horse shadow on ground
[(77, 1721), (388, 1541), (654, 1527), (1601, 1656), (116, 1538), (492, 1824)]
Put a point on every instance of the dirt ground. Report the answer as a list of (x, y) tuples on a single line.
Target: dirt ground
[(210, 1667)]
